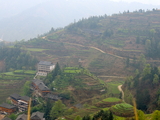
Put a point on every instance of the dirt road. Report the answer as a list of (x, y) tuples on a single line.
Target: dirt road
[(111, 76), (120, 89), (100, 50)]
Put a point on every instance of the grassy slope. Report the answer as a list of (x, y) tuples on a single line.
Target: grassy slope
[(97, 62), (11, 82)]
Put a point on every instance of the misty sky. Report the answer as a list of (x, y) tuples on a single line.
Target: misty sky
[(13, 7), (25, 19), (153, 2)]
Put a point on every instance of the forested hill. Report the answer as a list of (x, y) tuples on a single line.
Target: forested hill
[(136, 31), (16, 58), (125, 36)]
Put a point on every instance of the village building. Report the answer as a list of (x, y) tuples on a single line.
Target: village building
[(20, 101), (22, 117), (23, 103), (44, 67), (7, 108), (6, 118), (14, 99), (52, 97), (40, 88), (35, 116)]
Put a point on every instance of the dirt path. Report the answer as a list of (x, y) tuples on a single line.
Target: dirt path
[(101, 50), (111, 76), (97, 49), (120, 89)]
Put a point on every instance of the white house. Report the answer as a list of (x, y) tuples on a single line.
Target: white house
[(45, 67)]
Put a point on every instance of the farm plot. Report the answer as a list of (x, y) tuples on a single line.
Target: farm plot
[(123, 110), (8, 87), (17, 75)]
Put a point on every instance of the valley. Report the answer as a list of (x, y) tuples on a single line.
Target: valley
[(102, 64)]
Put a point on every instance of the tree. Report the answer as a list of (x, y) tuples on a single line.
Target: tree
[(142, 61), (110, 116), (137, 72), (58, 110), (12, 116), (47, 109), (148, 46), (78, 118), (155, 79), (86, 118), (56, 71), (147, 70), (141, 115), (156, 115), (26, 88)]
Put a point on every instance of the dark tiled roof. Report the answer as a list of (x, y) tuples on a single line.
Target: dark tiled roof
[(40, 84), (15, 96), (22, 117), (45, 63), (5, 105), (37, 115), (18, 97), (25, 98), (53, 97), (6, 118)]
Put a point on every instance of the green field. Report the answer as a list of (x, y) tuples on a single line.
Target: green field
[(72, 70), (35, 49), (123, 109), (113, 86), (112, 99), (17, 75), (31, 72), (12, 82)]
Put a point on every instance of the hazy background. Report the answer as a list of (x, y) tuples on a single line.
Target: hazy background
[(25, 19)]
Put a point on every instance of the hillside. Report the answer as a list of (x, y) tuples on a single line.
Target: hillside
[(75, 85), (147, 82), (122, 37), (110, 47)]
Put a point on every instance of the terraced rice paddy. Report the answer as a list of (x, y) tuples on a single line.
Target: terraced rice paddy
[(123, 110)]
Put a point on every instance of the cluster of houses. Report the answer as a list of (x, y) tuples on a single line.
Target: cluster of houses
[(42, 90), (21, 103), (34, 116)]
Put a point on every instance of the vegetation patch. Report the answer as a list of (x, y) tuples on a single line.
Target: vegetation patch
[(8, 87), (72, 71), (31, 72), (35, 49), (111, 99), (17, 75), (123, 110), (108, 102)]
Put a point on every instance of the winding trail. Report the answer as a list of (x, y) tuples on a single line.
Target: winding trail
[(99, 50), (106, 52), (120, 89), (111, 77)]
